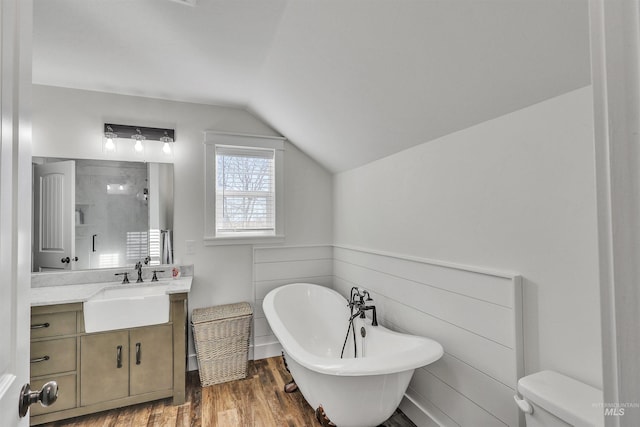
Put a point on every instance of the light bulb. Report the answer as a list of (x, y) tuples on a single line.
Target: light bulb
[(109, 145), (166, 148), (121, 187), (108, 187), (138, 147)]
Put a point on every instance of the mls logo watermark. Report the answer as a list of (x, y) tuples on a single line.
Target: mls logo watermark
[(613, 412), (615, 409)]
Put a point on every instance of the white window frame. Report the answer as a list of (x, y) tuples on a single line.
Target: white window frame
[(211, 140)]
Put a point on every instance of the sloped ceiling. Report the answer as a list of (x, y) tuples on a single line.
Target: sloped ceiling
[(210, 53), (347, 81)]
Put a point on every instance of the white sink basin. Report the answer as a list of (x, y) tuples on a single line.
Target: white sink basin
[(121, 307)]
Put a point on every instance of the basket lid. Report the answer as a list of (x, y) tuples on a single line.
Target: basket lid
[(218, 312)]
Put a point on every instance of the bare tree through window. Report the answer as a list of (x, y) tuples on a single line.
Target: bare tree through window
[(245, 191)]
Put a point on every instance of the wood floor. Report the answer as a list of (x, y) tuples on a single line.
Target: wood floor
[(258, 401)]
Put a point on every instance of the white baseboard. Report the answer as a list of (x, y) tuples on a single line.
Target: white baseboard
[(264, 351), (192, 362), (422, 414)]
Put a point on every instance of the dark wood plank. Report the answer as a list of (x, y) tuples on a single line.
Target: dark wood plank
[(155, 415), (140, 416), (193, 396), (182, 419), (169, 415)]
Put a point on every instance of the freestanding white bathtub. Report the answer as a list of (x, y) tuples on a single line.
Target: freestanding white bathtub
[(311, 322)]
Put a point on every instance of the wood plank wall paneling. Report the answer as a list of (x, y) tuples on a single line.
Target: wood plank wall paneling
[(475, 314), (277, 266)]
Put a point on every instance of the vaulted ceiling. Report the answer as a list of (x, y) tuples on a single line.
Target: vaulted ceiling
[(347, 81)]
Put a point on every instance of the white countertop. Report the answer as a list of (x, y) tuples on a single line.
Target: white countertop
[(66, 294)]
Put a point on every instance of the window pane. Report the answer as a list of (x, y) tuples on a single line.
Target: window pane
[(137, 245), (245, 190)]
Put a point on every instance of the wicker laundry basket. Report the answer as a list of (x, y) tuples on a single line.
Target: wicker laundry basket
[(221, 336)]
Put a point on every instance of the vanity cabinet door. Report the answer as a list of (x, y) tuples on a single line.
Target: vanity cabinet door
[(104, 370), (151, 358)]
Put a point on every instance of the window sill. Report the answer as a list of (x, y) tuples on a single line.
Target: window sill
[(242, 240)]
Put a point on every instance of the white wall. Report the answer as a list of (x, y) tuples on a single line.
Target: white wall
[(69, 123), (514, 194)]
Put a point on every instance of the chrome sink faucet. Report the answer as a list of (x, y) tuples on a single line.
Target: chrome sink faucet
[(126, 277), (139, 268)]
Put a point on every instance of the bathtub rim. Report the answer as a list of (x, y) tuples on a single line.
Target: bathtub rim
[(381, 365)]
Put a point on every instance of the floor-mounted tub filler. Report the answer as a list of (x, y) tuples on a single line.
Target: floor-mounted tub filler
[(316, 327)]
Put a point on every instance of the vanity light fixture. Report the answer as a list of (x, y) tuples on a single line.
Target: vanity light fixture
[(117, 188), (166, 143), (109, 135), (142, 137), (138, 137)]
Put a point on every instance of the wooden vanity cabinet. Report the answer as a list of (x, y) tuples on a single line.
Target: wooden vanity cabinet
[(105, 370), (119, 364)]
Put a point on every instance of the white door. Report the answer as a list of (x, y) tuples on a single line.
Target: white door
[(54, 198), (15, 204)]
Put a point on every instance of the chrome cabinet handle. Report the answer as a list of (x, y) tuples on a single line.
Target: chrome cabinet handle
[(40, 359), (40, 325), (65, 260), (138, 353), (119, 357)]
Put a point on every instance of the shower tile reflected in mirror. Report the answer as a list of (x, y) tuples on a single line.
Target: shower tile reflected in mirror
[(119, 213)]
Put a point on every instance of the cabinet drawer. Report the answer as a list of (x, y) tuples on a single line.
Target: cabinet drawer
[(66, 394), (50, 357), (54, 324)]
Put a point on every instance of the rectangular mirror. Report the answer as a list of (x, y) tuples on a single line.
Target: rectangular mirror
[(90, 214)]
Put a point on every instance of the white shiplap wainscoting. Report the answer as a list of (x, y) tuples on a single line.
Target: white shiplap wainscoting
[(475, 314), (277, 266)]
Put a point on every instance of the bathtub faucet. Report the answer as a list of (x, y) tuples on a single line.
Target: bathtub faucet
[(361, 311), (374, 317), (357, 297), (357, 303)]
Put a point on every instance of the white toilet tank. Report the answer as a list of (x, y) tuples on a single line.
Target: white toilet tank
[(550, 399)]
